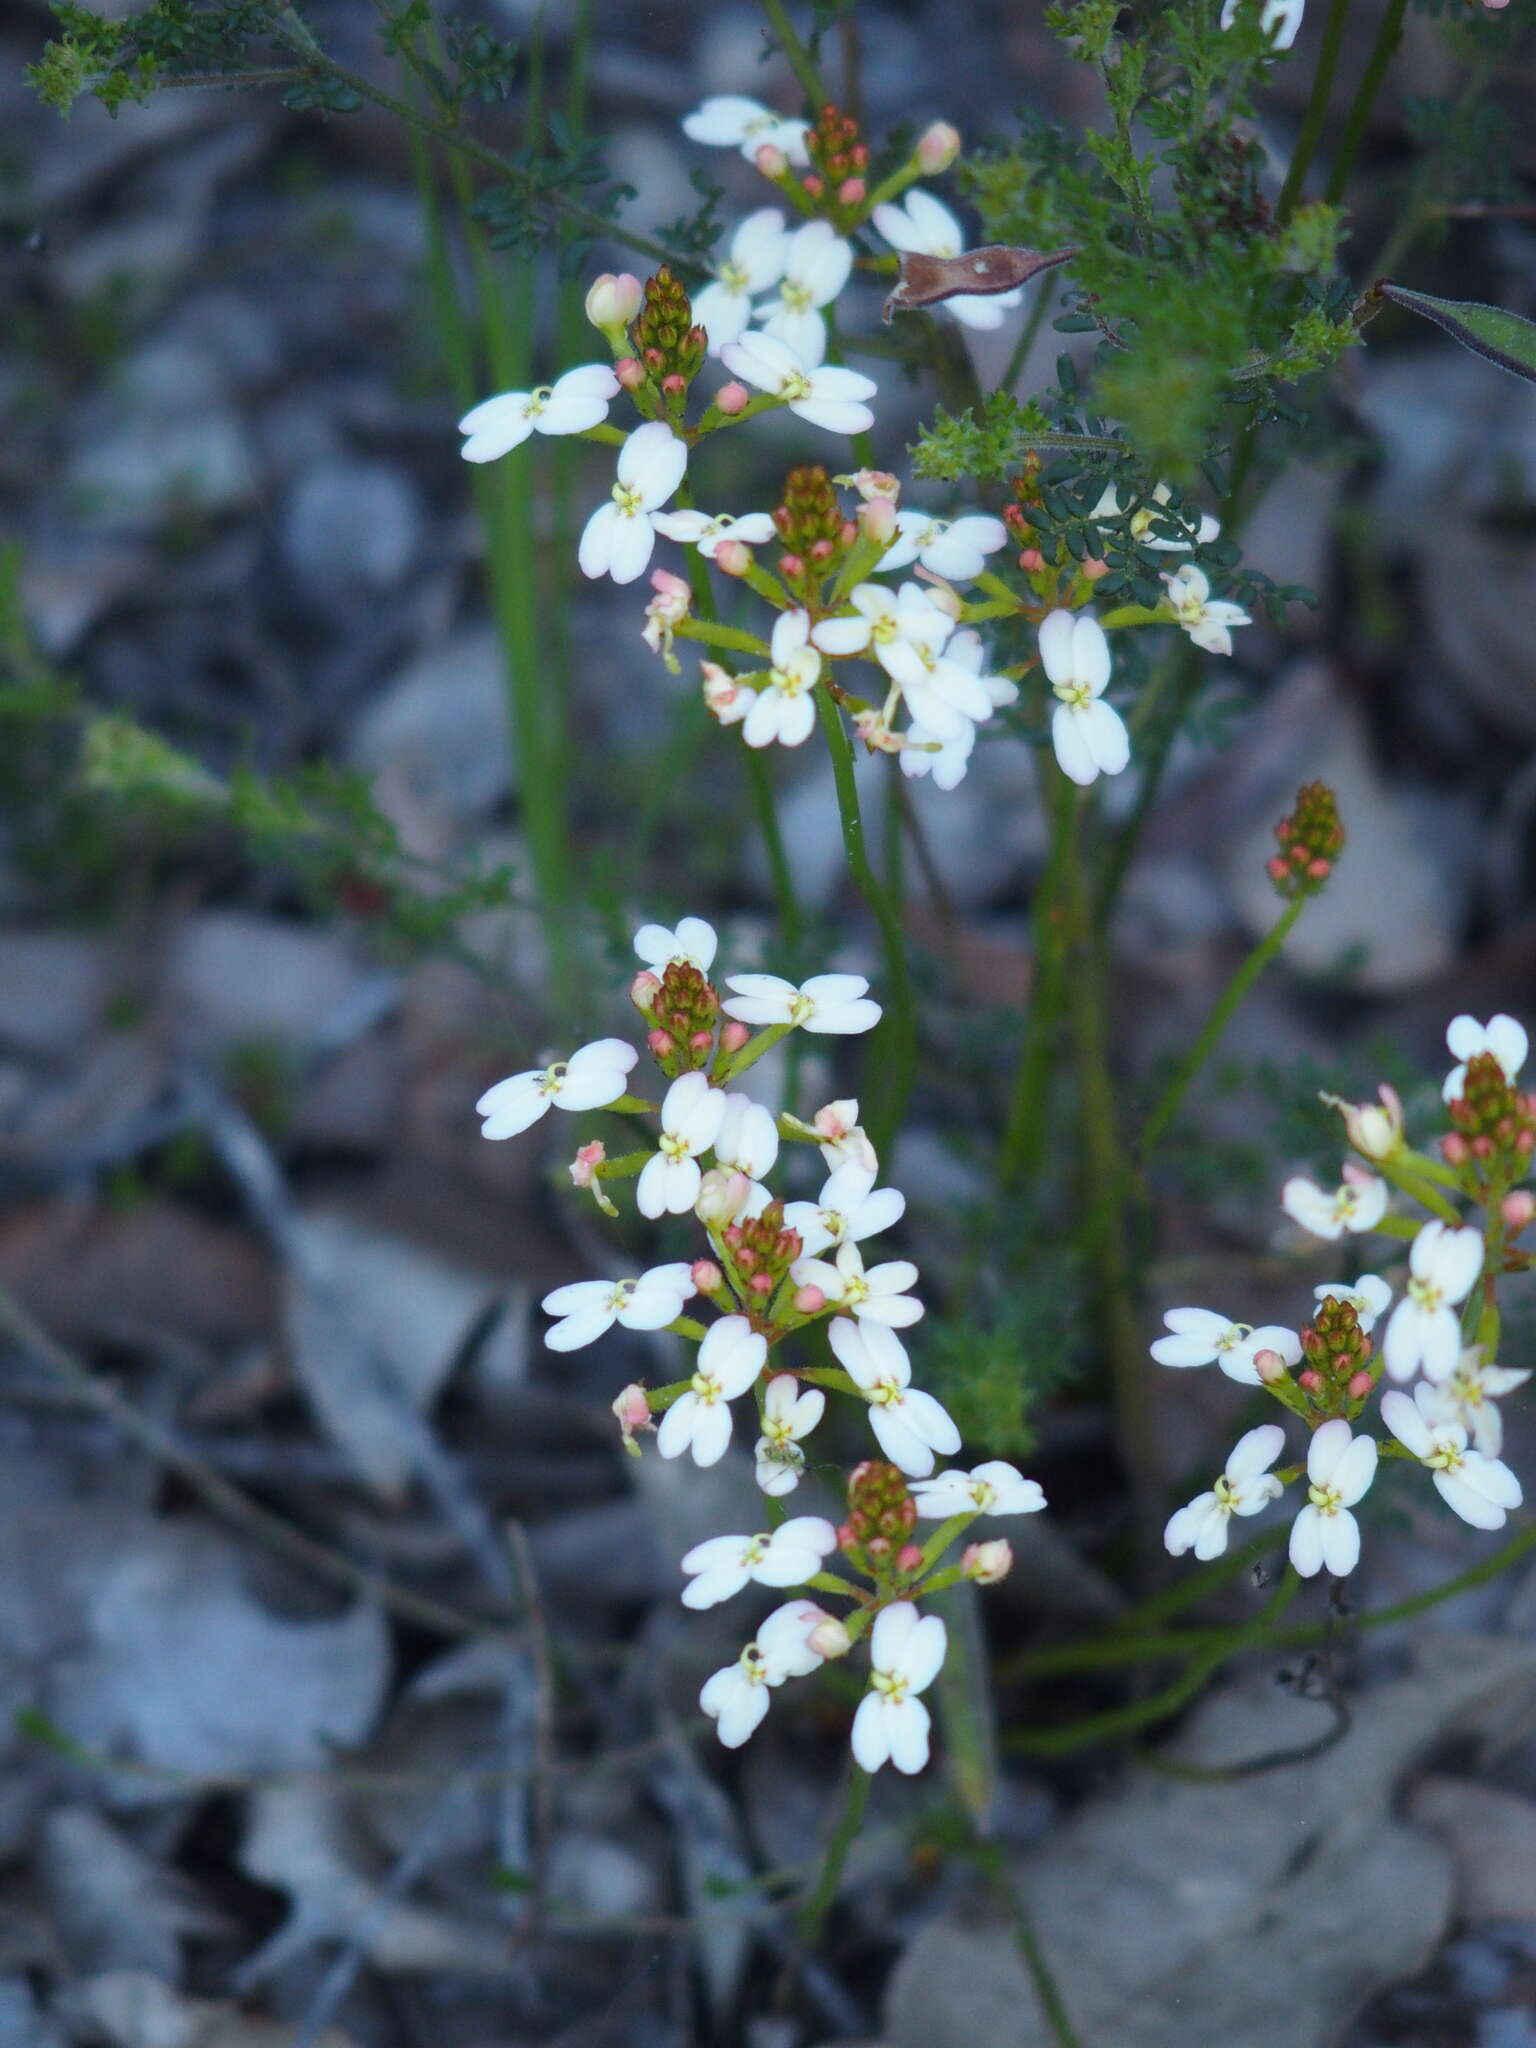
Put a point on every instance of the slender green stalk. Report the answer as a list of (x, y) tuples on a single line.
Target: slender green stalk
[(1045, 298), (1167, 1105), (896, 1038), (796, 55), (1026, 1132), (1317, 110), (992, 1861), (828, 1877), (1388, 37), (760, 780)]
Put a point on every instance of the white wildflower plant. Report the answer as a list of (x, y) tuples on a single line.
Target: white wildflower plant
[(788, 1330), (1432, 1320)]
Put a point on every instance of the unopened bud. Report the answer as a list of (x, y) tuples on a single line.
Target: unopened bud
[(872, 483), (1311, 1380), (661, 1043), (771, 161), (937, 148), (613, 301), (813, 185), (644, 990), (1360, 1385), (791, 566), (1454, 1149), (734, 1035), (630, 372), (674, 384), (632, 1411), (829, 1638), (988, 1562), (1517, 1209), (852, 192), (877, 520), (1031, 560), (722, 1196), (732, 398), (909, 1557), (1093, 568), (1269, 1366), (809, 1300), (761, 1283), (733, 558)]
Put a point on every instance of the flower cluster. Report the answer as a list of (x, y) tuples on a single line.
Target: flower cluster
[(1439, 1333), (874, 599), (778, 1275)]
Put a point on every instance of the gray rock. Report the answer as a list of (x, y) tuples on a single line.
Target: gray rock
[(350, 527), (233, 977), (437, 737)]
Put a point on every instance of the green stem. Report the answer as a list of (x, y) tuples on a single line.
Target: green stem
[(1387, 40), (1167, 1105), (828, 1877), (1317, 110), (896, 1038), (796, 55), (1025, 1135), (992, 1861), (791, 925)]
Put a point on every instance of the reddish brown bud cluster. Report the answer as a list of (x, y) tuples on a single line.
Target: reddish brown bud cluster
[(667, 344), (1494, 1130), (684, 1009), (1311, 840), (762, 1251), (881, 1517), (1016, 515), (1336, 1354), (816, 534), (839, 161)]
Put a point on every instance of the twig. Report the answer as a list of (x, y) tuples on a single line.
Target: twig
[(543, 1716)]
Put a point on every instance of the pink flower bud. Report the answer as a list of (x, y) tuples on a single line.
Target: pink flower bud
[(771, 161), (661, 1043), (1269, 1366), (674, 384), (734, 1035), (1093, 568), (722, 1196), (878, 519), (761, 1283), (584, 1166), (632, 1411), (791, 566), (612, 302), (1454, 1149), (732, 398), (909, 1557), (706, 1276), (986, 1563), (630, 373), (829, 1638), (1359, 1386), (852, 192), (937, 148), (733, 558), (809, 1301), (1311, 1380), (1031, 560), (644, 990), (872, 483), (813, 185), (1517, 1209)]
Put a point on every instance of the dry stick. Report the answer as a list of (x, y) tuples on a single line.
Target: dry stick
[(228, 1502), (543, 1717)]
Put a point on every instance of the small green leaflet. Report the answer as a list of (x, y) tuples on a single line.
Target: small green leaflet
[(1489, 331)]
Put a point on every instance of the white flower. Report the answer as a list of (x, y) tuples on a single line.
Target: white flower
[(736, 1698), (732, 122), (1358, 1203), (574, 402), (817, 263), (834, 1003), (909, 1425), (1340, 1468), (787, 1556), (1503, 1036), (908, 634), (1207, 620), (956, 549), (1089, 735), (748, 1138), (824, 395), (925, 227), (726, 700), (789, 1416), (1424, 1331), (843, 1137), (730, 1359), (1471, 1396), (1244, 1487), (706, 532), (593, 1076), (991, 1489), (1202, 1337), (692, 945), (849, 1207), (878, 1296), (946, 757), (590, 1308), (906, 1655), (617, 540), (758, 250), (1281, 19), (786, 710), (1143, 519), (1369, 1297), (690, 1119), (1478, 1488)]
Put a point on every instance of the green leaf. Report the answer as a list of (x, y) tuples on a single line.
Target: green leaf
[(1489, 331)]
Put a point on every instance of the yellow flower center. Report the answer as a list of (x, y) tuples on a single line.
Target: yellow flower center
[(629, 500), (1326, 1499)]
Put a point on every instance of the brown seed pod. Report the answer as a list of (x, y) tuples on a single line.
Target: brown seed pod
[(978, 273)]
